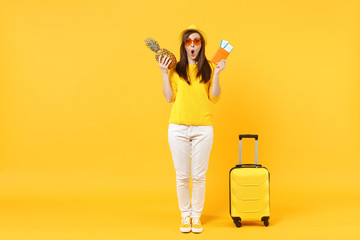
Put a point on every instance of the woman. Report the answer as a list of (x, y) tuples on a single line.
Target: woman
[(192, 85)]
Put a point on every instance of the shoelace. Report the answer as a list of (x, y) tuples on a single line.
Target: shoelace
[(185, 220), (195, 221)]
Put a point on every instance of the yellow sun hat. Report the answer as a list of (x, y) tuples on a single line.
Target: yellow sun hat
[(192, 27)]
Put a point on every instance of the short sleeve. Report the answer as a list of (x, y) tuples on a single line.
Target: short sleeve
[(173, 84), (211, 97)]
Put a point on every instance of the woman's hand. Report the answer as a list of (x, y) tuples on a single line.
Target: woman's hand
[(220, 66), (164, 64)]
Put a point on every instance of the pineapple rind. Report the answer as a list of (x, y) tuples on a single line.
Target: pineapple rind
[(164, 52)]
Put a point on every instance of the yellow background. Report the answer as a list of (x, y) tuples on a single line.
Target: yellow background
[(83, 122)]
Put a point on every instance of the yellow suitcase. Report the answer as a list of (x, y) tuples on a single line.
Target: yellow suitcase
[(249, 190)]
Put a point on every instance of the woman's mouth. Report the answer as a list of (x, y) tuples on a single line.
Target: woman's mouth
[(192, 52)]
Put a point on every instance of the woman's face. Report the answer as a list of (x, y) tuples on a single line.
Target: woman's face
[(193, 50)]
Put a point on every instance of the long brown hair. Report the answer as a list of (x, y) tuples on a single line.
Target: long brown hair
[(203, 66)]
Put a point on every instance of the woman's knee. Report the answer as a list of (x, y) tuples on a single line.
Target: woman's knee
[(199, 178), (182, 180)]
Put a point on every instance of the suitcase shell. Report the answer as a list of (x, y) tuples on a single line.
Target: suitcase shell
[(249, 191)]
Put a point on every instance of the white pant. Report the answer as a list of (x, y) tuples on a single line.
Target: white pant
[(190, 149)]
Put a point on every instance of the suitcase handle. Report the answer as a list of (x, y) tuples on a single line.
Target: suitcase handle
[(249, 166), (241, 136)]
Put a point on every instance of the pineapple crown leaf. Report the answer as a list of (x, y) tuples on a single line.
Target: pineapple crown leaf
[(152, 44)]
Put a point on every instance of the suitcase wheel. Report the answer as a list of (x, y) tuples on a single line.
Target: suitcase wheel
[(237, 221), (266, 221)]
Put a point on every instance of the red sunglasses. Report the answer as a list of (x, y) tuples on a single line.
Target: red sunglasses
[(197, 41)]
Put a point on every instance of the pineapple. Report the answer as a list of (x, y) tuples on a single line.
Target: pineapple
[(154, 46)]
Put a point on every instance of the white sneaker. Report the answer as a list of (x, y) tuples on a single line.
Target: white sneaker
[(185, 226), (196, 225)]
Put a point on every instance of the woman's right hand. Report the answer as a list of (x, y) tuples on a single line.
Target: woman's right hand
[(164, 64)]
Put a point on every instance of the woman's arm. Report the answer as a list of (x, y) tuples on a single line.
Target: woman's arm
[(164, 66), (167, 91), (216, 90)]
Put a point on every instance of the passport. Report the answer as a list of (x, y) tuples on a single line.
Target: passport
[(223, 51)]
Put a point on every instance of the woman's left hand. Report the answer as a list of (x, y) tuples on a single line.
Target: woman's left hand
[(220, 66)]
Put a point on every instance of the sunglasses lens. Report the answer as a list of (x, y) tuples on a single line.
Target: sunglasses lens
[(197, 41), (188, 42)]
